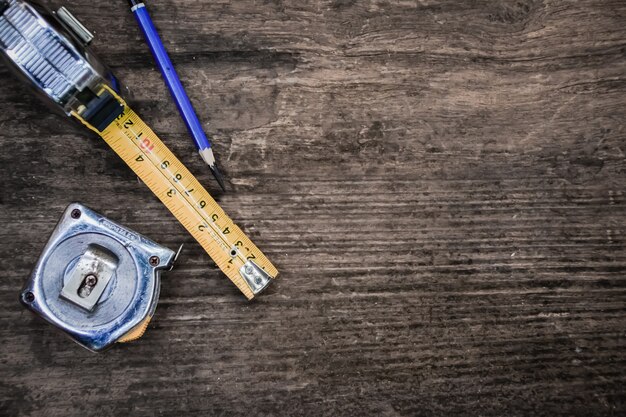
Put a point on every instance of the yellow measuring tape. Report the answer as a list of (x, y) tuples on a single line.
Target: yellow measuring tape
[(141, 149)]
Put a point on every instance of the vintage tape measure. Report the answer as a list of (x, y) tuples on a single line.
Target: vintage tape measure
[(49, 51), (96, 280)]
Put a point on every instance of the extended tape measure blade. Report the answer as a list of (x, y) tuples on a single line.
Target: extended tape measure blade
[(233, 252)]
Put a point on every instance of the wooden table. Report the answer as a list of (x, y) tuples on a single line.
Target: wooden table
[(441, 184)]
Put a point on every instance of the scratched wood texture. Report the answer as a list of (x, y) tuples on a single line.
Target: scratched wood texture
[(441, 184)]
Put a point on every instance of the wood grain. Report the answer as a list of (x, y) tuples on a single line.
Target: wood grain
[(440, 183)]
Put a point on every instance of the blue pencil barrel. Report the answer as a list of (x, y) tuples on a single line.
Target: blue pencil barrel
[(170, 76)]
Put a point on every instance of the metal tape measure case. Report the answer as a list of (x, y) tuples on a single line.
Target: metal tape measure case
[(48, 50), (96, 280)]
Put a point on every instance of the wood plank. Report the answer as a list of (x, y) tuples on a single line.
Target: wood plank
[(440, 183)]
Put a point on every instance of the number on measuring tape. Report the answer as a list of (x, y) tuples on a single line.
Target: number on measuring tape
[(185, 197)]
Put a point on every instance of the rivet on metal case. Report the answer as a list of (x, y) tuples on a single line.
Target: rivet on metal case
[(96, 280)]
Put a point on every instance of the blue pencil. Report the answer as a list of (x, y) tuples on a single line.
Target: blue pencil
[(177, 90)]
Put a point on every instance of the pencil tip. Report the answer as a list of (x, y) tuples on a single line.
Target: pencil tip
[(218, 176), (209, 158)]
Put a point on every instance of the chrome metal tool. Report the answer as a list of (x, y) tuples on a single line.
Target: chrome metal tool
[(48, 50), (96, 280)]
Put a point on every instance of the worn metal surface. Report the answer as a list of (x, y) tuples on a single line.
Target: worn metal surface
[(123, 269), (440, 183)]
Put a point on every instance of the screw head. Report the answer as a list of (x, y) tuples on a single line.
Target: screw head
[(91, 280), (154, 260), (248, 269), (75, 214), (258, 280), (29, 297)]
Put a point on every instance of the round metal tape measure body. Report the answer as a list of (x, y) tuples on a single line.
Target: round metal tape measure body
[(96, 280)]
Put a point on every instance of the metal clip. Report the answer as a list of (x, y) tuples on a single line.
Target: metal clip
[(256, 278), (74, 24), (90, 277)]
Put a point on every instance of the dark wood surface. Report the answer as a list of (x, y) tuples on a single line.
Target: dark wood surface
[(440, 183)]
